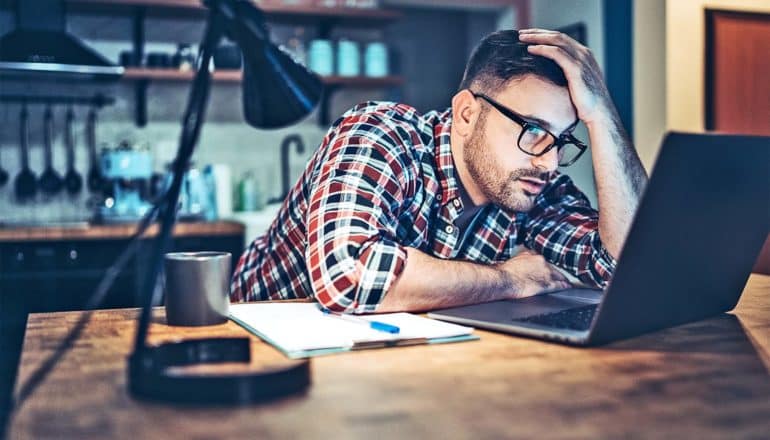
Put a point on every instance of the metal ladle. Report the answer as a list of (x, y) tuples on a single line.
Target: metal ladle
[(25, 184), (50, 181), (95, 180), (73, 181), (3, 175)]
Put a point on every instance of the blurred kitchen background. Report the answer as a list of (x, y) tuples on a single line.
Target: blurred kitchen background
[(426, 44), (425, 52), (411, 51)]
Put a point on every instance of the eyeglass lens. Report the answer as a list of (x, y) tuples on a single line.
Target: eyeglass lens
[(535, 140)]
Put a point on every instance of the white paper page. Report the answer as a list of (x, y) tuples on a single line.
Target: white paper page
[(302, 326), (292, 326)]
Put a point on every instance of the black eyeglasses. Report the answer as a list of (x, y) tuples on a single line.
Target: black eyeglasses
[(536, 140)]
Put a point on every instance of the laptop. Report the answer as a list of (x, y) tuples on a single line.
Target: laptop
[(699, 227)]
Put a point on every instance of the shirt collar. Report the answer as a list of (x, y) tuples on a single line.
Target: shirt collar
[(445, 165)]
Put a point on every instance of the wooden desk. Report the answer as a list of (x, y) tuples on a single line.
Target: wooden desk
[(708, 379)]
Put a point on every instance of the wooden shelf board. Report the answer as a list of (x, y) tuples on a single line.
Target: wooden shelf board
[(364, 81), (182, 8), (136, 74)]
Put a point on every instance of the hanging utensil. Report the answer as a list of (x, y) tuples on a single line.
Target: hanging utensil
[(95, 179), (3, 175), (73, 181), (50, 181), (25, 184)]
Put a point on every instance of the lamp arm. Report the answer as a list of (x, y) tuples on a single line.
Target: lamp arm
[(150, 375), (191, 125)]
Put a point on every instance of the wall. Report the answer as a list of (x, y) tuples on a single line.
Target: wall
[(649, 76), (685, 40), (551, 14), (669, 65), (225, 141), (432, 47)]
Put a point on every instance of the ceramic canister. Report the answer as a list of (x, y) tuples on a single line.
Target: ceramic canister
[(321, 57), (348, 58), (376, 60)]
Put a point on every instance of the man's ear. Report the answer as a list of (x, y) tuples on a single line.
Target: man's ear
[(465, 112)]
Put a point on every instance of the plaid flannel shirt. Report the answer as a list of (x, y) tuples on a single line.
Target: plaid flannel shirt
[(382, 180)]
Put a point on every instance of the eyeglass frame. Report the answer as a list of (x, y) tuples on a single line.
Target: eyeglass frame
[(558, 142)]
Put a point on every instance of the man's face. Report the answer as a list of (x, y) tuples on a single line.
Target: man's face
[(506, 175)]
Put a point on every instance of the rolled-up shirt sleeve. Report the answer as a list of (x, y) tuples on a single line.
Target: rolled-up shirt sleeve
[(564, 228), (352, 254)]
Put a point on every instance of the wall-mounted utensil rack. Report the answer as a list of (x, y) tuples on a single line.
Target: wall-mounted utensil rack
[(97, 100)]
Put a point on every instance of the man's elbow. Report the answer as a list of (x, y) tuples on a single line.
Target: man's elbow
[(357, 283), (342, 300)]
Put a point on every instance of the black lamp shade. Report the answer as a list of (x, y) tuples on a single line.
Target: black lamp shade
[(277, 91)]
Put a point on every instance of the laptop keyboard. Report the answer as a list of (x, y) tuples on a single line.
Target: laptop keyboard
[(574, 319)]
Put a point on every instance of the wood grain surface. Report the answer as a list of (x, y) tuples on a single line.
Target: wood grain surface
[(96, 232), (709, 379)]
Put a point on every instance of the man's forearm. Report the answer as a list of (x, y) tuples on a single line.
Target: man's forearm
[(620, 179), (430, 283)]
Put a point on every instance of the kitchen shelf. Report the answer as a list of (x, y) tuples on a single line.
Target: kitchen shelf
[(325, 18), (138, 74), (194, 8), (143, 76)]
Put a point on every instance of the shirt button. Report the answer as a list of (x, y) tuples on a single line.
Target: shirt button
[(449, 229), (439, 197), (456, 203)]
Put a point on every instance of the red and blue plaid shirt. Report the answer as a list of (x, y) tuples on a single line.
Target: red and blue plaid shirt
[(382, 180)]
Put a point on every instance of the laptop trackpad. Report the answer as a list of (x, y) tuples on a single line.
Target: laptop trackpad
[(553, 302)]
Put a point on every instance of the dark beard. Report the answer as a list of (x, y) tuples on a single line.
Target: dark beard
[(481, 167)]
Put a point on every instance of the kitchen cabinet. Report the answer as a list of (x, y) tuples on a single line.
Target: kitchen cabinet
[(58, 276), (57, 269), (55, 276)]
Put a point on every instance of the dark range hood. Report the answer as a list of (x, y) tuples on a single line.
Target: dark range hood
[(40, 44)]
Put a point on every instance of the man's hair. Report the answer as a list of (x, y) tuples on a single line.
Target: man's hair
[(500, 57)]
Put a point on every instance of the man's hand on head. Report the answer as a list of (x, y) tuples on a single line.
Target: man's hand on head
[(620, 177), (530, 274), (585, 81)]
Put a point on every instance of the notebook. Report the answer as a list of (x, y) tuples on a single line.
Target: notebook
[(301, 330)]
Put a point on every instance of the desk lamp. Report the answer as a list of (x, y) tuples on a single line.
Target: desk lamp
[(277, 91)]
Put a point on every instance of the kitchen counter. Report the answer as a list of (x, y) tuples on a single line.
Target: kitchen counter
[(119, 231)]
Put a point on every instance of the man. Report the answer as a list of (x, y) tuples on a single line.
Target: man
[(398, 211)]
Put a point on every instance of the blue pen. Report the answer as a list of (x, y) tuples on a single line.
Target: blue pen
[(376, 325)]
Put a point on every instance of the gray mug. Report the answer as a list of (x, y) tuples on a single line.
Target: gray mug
[(197, 288)]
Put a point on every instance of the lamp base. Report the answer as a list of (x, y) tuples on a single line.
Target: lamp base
[(151, 375)]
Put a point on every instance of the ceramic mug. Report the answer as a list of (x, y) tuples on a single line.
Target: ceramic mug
[(197, 288)]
